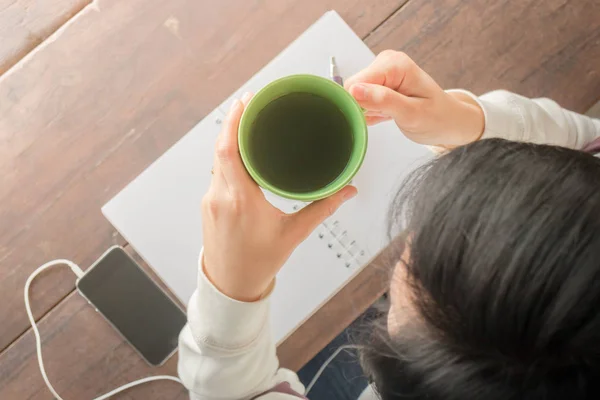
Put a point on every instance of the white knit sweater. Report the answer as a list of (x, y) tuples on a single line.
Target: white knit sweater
[(226, 351)]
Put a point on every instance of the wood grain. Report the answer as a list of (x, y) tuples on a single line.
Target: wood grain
[(539, 48), (99, 102), (125, 80), (24, 24), (84, 357)]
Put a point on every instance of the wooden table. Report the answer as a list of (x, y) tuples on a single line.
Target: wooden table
[(91, 93)]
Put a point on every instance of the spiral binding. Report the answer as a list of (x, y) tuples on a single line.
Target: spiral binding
[(338, 240)]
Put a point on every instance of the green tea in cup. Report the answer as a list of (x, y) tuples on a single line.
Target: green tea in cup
[(303, 137)]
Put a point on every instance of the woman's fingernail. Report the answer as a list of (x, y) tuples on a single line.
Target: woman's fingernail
[(360, 92), (234, 105), (246, 97), (350, 194)]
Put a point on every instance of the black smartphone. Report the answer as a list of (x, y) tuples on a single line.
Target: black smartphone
[(133, 304)]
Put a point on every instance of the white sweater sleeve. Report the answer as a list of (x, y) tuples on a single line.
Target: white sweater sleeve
[(226, 351), (514, 117)]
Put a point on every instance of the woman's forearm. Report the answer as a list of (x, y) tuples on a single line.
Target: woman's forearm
[(226, 350), (514, 117)]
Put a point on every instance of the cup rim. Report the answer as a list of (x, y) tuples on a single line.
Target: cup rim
[(331, 188)]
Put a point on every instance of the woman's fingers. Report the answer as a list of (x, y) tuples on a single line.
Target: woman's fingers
[(376, 120), (374, 73), (397, 71), (369, 113), (382, 101), (227, 151), (301, 224), (216, 168), (374, 117), (246, 98)]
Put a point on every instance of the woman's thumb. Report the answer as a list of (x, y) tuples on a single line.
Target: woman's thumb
[(305, 221), (379, 99)]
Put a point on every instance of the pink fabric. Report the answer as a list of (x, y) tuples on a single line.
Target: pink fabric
[(283, 387), (593, 147)]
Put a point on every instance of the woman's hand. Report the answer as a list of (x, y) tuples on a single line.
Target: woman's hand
[(246, 239), (394, 87)]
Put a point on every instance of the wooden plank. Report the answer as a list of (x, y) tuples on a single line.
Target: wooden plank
[(84, 358), (84, 182), (107, 356), (99, 102), (24, 24), (594, 111), (534, 47)]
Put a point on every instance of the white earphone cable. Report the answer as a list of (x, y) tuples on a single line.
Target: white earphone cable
[(79, 273), (326, 364), (38, 342)]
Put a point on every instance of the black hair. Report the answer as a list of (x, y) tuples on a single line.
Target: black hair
[(504, 275)]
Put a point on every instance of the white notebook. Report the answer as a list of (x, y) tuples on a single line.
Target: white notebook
[(158, 213)]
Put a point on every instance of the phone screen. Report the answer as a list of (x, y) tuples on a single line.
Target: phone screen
[(139, 309)]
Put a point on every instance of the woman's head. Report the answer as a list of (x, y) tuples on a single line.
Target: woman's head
[(498, 293)]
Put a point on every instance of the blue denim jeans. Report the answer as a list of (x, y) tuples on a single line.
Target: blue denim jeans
[(343, 379)]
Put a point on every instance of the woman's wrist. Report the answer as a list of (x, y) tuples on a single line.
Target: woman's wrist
[(236, 289), (468, 120)]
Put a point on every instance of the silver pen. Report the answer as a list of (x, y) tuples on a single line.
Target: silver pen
[(334, 72)]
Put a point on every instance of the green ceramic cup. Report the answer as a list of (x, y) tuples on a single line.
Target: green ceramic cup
[(254, 157)]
